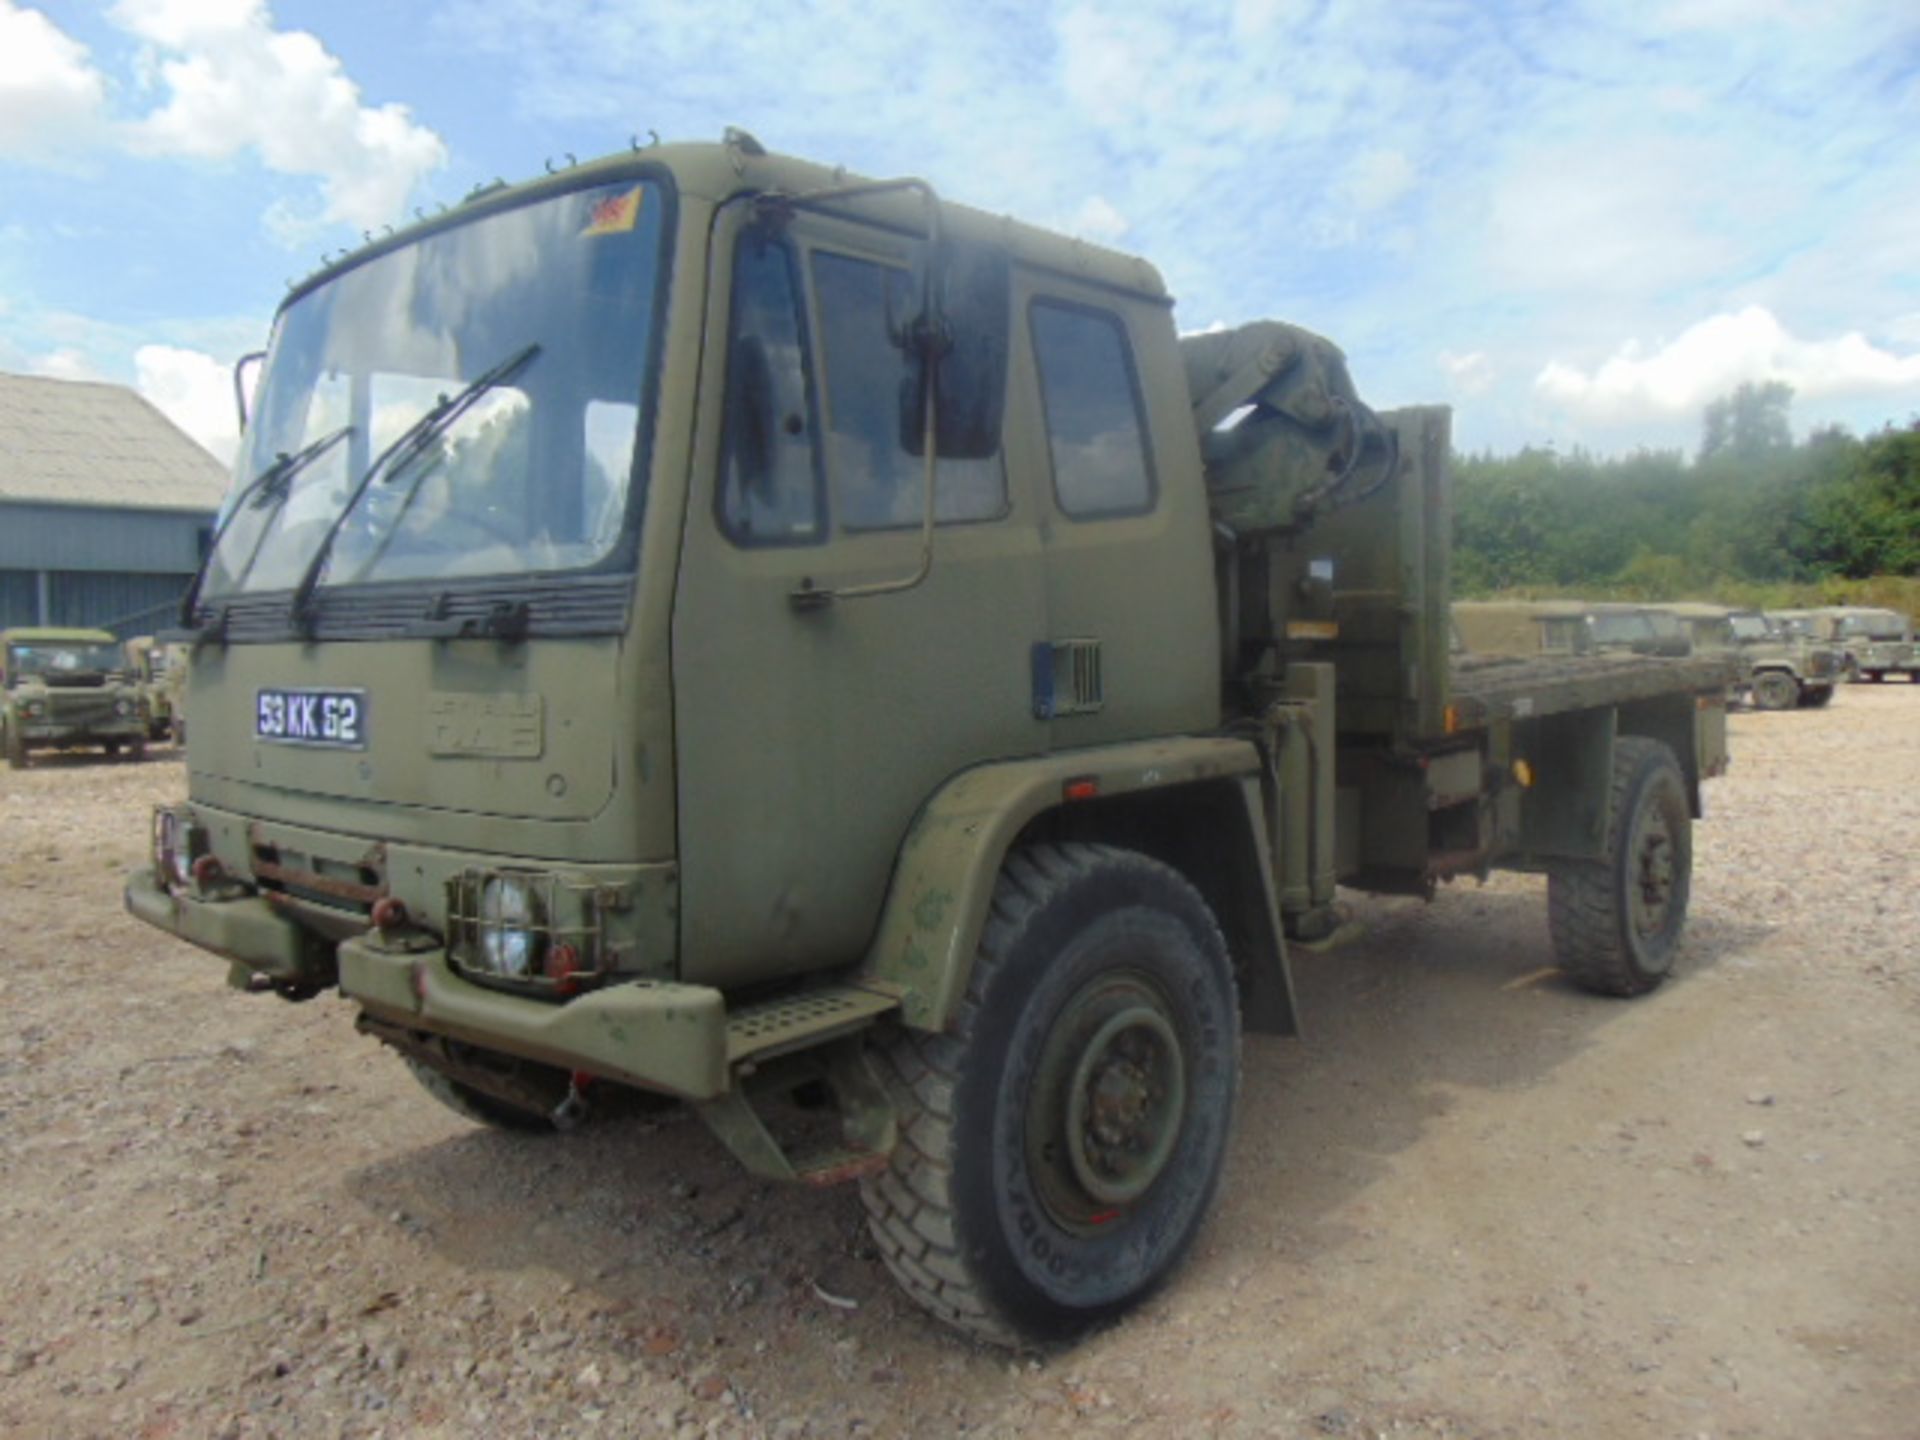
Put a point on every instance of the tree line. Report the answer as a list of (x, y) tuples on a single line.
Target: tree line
[(1755, 517)]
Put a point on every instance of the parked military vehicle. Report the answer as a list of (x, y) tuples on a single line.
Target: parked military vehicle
[(1779, 670), (154, 666), (704, 624), (68, 689), (1567, 627), (1876, 643)]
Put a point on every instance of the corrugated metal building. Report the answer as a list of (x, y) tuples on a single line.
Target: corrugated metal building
[(105, 506)]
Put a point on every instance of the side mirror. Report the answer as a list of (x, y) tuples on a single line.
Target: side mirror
[(966, 337)]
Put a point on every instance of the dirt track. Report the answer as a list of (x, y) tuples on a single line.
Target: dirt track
[(1473, 1202)]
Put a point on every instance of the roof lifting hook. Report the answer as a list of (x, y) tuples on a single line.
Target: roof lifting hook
[(553, 169), (653, 139)]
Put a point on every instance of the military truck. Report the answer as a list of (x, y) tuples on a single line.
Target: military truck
[(703, 624), (1567, 627), (67, 689), (1876, 643), (147, 659), (1779, 670)]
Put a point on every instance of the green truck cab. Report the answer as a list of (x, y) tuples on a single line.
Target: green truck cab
[(1568, 627), (1780, 669), (703, 624), (1875, 642), (156, 667), (67, 689)]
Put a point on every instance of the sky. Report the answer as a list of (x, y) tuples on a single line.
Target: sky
[(1576, 223)]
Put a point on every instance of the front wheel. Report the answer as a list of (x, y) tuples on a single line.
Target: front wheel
[(1061, 1142), (1816, 697), (16, 750), (475, 1104), (1775, 690), (1616, 921)]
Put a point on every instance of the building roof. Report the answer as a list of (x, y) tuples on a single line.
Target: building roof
[(81, 442)]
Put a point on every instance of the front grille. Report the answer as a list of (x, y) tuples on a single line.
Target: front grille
[(66, 708)]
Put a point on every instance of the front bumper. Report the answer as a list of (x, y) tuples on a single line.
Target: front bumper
[(60, 732), (659, 1035)]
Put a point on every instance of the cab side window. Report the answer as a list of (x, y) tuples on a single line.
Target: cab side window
[(878, 483), (1096, 431), (770, 481)]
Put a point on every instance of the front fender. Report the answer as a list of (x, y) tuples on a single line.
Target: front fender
[(943, 880)]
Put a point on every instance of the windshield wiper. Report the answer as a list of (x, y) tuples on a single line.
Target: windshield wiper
[(406, 448), (271, 486)]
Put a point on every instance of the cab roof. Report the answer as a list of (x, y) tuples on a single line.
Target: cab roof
[(739, 165)]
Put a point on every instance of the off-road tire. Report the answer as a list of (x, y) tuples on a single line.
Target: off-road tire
[(1101, 974), (1873, 677), (16, 749), (136, 750), (1817, 697), (1775, 690), (1601, 941), (485, 1109), (110, 748)]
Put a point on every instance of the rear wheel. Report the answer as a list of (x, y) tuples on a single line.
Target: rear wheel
[(1775, 690), (1061, 1142), (111, 748), (1616, 921), (1816, 697)]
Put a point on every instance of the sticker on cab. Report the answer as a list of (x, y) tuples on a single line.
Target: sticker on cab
[(613, 214)]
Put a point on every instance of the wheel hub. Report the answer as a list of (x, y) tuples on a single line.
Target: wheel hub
[(1110, 1102), (1653, 880)]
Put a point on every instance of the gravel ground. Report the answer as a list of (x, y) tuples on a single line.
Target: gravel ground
[(1472, 1202)]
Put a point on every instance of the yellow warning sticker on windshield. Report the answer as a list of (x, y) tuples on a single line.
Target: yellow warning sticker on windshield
[(614, 214)]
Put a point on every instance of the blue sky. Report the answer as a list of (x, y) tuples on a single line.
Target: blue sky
[(1577, 223)]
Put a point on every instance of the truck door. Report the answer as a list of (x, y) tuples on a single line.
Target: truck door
[(809, 734)]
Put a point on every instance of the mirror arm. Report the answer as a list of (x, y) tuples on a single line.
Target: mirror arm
[(252, 357)]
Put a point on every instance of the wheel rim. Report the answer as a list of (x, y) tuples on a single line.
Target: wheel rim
[(1108, 1102), (1655, 863)]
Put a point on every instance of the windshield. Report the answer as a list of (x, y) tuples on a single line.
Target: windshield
[(58, 658), (1880, 625), (529, 474), (1621, 627)]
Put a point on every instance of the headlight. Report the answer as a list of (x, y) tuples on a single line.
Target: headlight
[(123, 708), (36, 708), (508, 922), (540, 931)]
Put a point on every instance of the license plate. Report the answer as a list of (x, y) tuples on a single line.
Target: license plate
[(336, 718)]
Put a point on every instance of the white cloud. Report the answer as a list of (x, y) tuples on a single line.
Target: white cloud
[(66, 363), (1377, 179), (1470, 373), (232, 82), (193, 390), (1098, 220), (1711, 358), (51, 96)]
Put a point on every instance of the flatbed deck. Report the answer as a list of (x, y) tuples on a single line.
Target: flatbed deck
[(1486, 689)]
